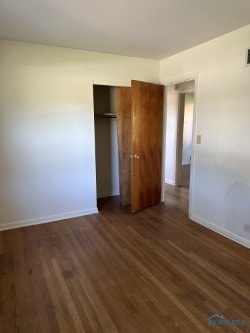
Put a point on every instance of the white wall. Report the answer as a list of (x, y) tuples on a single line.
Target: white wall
[(221, 177), (171, 106), (47, 148), (188, 128)]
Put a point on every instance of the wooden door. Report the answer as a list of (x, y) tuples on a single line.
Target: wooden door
[(147, 124), (123, 107)]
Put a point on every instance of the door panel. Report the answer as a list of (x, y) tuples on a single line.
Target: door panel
[(147, 121), (123, 107)]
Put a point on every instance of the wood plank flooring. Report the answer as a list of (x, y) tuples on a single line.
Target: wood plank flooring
[(154, 271)]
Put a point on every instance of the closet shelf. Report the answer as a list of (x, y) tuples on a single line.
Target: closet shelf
[(105, 115)]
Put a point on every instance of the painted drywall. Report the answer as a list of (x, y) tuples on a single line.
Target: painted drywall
[(187, 128), (221, 179), (47, 141), (171, 107)]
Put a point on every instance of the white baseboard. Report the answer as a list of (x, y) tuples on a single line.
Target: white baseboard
[(221, 231), (171, 182), (46, 219)]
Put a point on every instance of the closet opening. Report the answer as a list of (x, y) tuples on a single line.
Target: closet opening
[(128, 143), (106, 143)]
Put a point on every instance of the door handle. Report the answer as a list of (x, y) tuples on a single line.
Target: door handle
[(135, 157)]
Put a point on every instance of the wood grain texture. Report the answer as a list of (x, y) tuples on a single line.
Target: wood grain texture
[(123, 108), (154, 271), (147, 119)]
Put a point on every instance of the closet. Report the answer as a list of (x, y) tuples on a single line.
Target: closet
[(106, 146), (128, 129)]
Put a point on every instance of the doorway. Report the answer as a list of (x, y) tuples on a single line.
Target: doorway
[(184, 139), (180, 117), (134, 160), (106, 145)]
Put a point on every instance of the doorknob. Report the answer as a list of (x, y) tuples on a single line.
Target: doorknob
[(135, 157)]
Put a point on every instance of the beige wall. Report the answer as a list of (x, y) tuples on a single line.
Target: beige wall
[(47, 148), (221, 177)]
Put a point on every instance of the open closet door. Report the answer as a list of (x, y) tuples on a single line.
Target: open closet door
[(147, 124), (123, 110)]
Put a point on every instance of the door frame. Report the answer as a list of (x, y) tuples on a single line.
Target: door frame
[(189, 77)]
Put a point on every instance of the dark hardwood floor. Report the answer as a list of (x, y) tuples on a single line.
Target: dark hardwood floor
[(154, 271)]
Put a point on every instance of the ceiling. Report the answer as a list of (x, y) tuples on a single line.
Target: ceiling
[(142, 28)]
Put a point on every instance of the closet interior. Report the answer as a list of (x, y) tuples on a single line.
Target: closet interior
[(106, 145)]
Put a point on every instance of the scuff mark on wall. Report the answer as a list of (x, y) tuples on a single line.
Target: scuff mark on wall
[(247, 227)]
